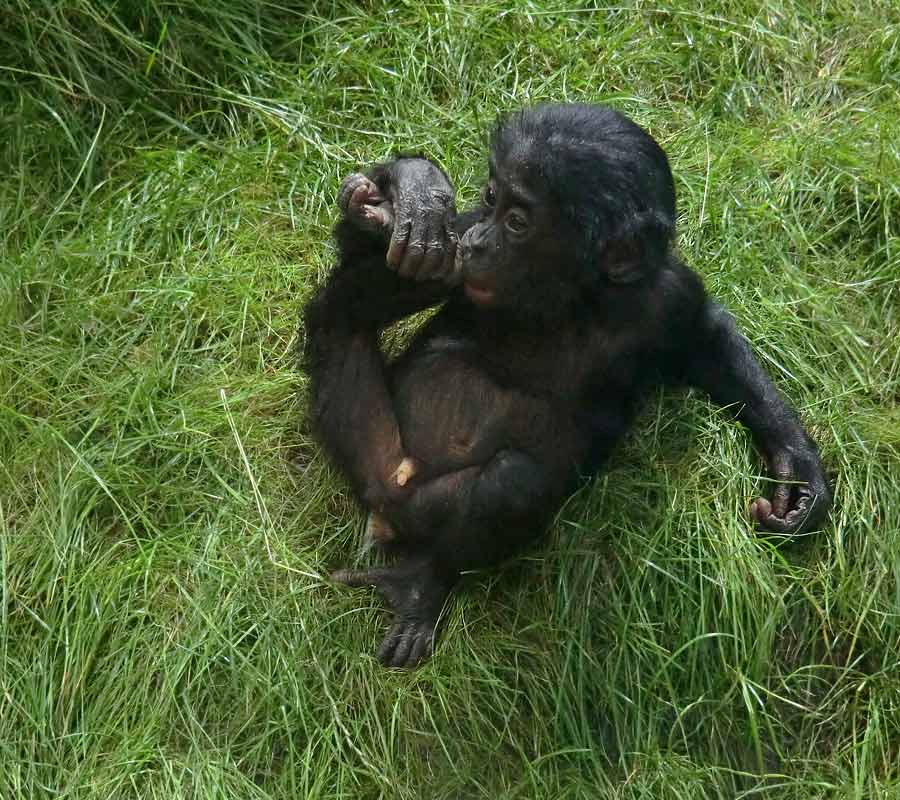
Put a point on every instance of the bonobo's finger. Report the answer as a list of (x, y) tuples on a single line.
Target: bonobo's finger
[(781, 499), (380, 216), (443, 236), (358, 192), (399, 242), (412, 261), (359, 196), (406, 645), (413, 256), (440, 253), (431, 264), (362, 203), (374, 576), (365, 195), (816, 504), (417, 243), (448, 269), (761, 511), (804, 515), (798, 519)]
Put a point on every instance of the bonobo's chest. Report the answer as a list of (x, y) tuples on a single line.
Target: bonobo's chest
[(560, 360)]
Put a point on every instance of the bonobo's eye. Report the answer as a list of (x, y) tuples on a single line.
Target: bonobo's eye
[(489, 196), (516, 222)]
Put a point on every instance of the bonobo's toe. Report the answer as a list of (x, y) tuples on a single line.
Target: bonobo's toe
[(362, 202), (406, 644), (348, 188), (407, 469)]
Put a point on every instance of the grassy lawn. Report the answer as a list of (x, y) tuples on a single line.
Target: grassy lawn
[(167, 181)]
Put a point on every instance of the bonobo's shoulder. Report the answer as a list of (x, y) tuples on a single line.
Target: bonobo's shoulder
[(671, 306), (677, 281)]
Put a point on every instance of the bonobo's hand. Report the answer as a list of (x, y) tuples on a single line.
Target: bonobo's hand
[(423, 244), (801, 497)]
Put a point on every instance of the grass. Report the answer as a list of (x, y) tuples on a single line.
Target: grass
[(167, 178)]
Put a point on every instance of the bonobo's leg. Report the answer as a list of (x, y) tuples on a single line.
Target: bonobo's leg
[(722, 363), (351, 407), (463, 520)]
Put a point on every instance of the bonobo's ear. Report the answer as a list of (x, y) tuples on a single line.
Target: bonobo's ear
[(636, 248)]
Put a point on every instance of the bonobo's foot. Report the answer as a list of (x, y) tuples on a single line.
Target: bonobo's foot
[(801, 497), (365, 206), (378, 529), (416, 594)]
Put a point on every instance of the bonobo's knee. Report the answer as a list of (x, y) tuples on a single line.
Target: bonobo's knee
[(512, 485), (383, 494)]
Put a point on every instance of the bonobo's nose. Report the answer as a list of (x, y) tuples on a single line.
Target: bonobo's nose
[(474, 241)]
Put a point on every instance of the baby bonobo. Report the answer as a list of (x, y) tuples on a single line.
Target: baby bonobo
[(563, 303)]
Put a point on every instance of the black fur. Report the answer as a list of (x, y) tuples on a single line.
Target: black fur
[(566, 304)]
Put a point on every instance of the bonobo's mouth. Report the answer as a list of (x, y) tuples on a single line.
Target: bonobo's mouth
[(480, 295)]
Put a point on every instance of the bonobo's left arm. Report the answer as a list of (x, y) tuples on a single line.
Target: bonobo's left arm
[(722, 363)]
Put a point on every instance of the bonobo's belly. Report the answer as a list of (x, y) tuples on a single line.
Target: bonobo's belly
[(452, 414)]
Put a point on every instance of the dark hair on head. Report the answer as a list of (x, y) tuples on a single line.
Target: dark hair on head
[(601, 170)]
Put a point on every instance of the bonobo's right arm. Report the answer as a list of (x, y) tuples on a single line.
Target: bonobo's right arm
[(396, 247), (351, 406)]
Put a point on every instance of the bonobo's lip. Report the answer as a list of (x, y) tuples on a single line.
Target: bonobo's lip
[(480, 295)]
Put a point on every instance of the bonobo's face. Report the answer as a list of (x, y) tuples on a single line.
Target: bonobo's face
[(580, 201), (509, 257)]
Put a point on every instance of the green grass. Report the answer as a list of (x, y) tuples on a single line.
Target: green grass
[(167, 178)]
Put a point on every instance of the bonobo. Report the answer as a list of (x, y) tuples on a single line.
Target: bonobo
[(563, 302)]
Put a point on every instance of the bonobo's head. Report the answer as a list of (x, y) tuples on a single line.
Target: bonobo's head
[(579, 198)]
